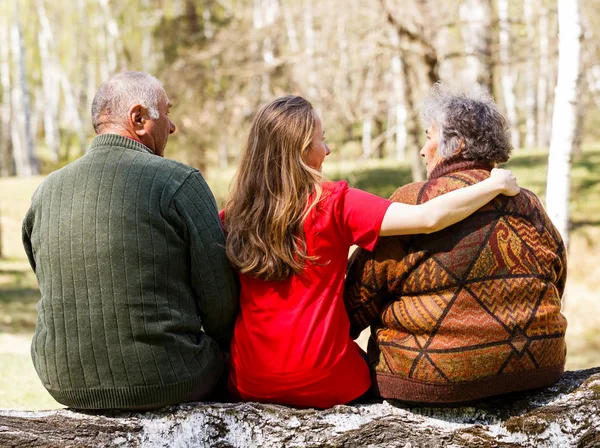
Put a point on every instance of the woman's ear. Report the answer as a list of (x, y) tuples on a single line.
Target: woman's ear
[(454, 146)]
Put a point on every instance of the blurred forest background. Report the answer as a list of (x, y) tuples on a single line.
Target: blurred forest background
[(366, 65)]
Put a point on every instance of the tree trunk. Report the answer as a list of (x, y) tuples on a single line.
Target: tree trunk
[(114, 44), (414, 129), (565, 117), (565, 414), (508, 78), (50, 83), (476, 28), (25, 160), (543, 134), (530, 91), (72, 118), (367, 115), (309, 49), (400, 115), (6, 160), (265, 13)]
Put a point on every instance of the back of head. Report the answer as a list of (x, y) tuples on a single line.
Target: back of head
[(468, 117), (121, 91), (268, 203)]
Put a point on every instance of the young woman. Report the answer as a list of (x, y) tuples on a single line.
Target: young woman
[(288, 235)]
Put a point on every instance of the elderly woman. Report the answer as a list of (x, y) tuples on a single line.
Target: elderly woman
[(473, 310)]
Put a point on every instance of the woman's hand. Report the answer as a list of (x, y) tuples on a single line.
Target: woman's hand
[(506, 181)]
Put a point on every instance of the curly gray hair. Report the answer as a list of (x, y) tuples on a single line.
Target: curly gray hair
[(119, 92), (472, 118)]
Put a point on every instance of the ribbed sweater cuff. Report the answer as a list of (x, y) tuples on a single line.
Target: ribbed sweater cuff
[(126, 397)]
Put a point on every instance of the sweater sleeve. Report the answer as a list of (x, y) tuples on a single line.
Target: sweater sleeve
[(213, 280), (374, 278), (27, 229)]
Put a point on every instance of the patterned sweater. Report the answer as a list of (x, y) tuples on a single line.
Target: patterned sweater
[(468, 312), (129, 255)]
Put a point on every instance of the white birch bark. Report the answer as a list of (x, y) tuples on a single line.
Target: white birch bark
[(5, 106), (72, 118), (543, 134), (265, 12), (147, 48), (564, 119), (508, 79), (475, 17), (25, 161), (50, 83), (114, 43), (530, 87)]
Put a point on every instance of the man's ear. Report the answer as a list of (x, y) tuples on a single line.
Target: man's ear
[(137, 118)]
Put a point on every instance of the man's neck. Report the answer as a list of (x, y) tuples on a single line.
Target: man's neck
[(122, 132)]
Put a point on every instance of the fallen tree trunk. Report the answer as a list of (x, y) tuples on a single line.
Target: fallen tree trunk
[(566, 414)]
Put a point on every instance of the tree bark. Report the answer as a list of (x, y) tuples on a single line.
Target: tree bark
[(50, 83), (398, 102), (6, 161), (565, 117), (508, 78), (562, 415), (530, 87), (476, 28), (25, 160), (543, 134)]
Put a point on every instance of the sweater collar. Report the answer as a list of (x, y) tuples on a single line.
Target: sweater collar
[(458, 163), (108, 140)]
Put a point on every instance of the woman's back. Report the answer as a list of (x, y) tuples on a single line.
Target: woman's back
[(292, 342)]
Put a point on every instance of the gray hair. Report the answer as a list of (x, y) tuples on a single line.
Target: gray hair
[(121, 91), (472, 118)]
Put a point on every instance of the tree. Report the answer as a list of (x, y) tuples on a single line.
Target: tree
[(508, 75), (565, 117)]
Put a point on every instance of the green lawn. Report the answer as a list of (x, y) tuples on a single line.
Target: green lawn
[(21, 389)]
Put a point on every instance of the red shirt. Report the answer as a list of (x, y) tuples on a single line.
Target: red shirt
[(292, 342)]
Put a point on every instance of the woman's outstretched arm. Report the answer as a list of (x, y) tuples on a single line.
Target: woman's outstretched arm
[(447, 209)]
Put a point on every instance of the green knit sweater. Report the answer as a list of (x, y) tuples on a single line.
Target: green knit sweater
[(129, 255)]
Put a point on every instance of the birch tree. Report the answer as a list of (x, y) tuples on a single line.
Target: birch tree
[(476, 28), (543, 76), (5, 106), (398, 105), (50, 82), (508, 78), (530, 86), (25, 160), (564, 119)]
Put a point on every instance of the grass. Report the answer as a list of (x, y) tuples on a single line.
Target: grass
[(20, 388)]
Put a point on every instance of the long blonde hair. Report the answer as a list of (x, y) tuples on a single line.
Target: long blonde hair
[(269, 202)]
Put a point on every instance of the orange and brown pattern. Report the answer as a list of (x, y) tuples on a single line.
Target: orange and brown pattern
[(468, 312)]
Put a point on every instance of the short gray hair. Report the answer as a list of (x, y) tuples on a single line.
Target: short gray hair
[(473, 118), (119, 92)]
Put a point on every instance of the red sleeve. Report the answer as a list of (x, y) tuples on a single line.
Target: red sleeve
[(222, 218), (359, 216)]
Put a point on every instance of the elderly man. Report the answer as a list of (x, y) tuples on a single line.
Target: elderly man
[(138, 301), (474, 310)]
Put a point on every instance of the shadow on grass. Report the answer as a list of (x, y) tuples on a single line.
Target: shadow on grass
[(379, 181)]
